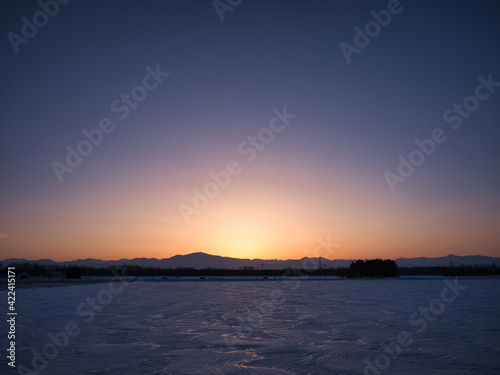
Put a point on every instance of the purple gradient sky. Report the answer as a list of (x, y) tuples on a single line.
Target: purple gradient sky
[(324, 174)]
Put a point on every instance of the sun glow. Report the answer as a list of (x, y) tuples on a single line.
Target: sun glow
[(244, 239)]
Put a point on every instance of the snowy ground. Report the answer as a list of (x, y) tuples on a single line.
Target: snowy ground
[(259, 327)]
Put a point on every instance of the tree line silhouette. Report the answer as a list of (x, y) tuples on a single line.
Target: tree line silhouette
[(360, 268), (373, 268)]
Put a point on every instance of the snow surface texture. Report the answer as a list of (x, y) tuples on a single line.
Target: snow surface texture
[(262, 327)]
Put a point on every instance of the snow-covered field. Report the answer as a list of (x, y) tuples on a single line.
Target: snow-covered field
[(173, 327)]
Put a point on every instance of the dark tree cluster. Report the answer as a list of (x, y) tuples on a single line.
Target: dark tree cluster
[(73, 273), (373, 268)]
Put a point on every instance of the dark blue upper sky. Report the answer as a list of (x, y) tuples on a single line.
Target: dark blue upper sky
[(326, 171)]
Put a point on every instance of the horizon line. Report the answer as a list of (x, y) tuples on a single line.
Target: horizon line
[(253, 259)]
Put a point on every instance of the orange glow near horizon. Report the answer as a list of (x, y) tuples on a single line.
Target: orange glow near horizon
[(275, 219)]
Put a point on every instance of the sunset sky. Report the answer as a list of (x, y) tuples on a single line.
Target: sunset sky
[(318, 172)]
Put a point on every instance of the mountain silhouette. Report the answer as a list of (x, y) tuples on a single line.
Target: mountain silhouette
[(203, 260)]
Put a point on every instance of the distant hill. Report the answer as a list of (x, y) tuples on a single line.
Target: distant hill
[(202, 260), (468, 260)]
